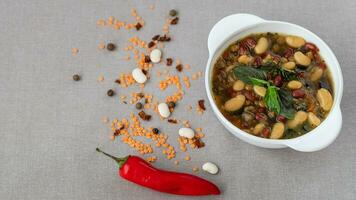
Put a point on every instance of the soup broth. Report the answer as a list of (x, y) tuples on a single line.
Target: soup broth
[(272, 85)]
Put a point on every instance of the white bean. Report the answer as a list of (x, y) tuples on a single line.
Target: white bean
[(277, 130), (301, 59), (186, 132), (259, 90), (258, 128), (244, 59), (261, 46), (295, 41), (313, 120), (156, 55), (299, 119), (289, 65), (138, 75), (235, 103), (325, 99), (293, 85), (316, 74), (210, 167), (163, 110), (238, 85)]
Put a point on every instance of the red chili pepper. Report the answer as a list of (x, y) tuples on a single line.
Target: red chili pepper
[(137, 170)]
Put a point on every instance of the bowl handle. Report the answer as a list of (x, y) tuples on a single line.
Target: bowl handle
[(323, 135), (228, 25)]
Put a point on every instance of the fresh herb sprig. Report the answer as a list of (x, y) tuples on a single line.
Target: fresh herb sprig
[(271, 97), (277, 100)]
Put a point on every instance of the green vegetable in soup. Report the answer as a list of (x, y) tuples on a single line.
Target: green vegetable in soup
[(272, 99), (286, 103), (244, 73)]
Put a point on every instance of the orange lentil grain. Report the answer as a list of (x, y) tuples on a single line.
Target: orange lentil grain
[(101, 78), (187, 158), (112, 137), (75, 51), (105, 119), (101, 46)]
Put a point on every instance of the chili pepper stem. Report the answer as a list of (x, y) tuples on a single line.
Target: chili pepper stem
[(120, 161)]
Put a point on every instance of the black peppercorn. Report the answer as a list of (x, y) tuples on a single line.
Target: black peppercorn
[(171, 104), (172, 12), (111, 46), (138, 106), (110, 93), (76, 77), (155, 130)]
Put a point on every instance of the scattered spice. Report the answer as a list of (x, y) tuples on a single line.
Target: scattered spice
[(76, 77), (173, 121), (195, 169), (144, 116), (189, 107), (169, 61), (137, 50), (198, 143), (164, 38), (140, 95), (101, 46), (171, 104), (138, 26), (179, 67), (187, 158), (152, 159), (201, 104), (75, 51), (105, 120), (110, 93), (138, 106), (174, 21), (118, 81), (155, 130), (151, 44), (154, 38), (101, 78), (112, 137), (172, 12), (110, 47), (186, 81), (147, 59)]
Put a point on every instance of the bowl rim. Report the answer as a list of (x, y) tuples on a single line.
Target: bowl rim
[(235, 129)]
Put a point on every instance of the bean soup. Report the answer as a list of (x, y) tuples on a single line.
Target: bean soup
[(273, 85)]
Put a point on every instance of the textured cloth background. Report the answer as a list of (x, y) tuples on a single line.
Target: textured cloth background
[(50, 125)]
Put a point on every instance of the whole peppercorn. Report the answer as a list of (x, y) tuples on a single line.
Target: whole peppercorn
[(155, 130), (171, 104), (138, 106), (110, 47), (173, 12), (110, 93), (76, 77)]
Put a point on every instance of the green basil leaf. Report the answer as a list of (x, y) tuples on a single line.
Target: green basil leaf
[(272, 99), (259, 82), (286, 98), (287, 75), (244, 72)]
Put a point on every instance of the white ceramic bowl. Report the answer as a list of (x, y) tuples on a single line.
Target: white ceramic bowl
[(237, 26)]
